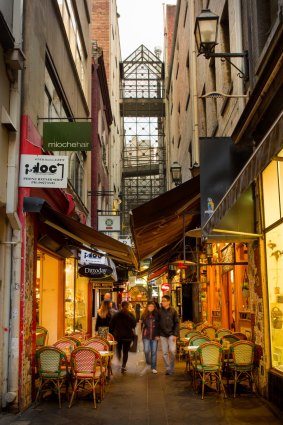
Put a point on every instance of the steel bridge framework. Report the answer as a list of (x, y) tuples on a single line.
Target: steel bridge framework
[(142, 111)]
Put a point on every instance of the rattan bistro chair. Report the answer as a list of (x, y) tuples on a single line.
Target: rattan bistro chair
[(41, 336), (101, 344), (243, 362), (74, 339), (52, 370), (231, 338), (87, 371), (209, 331), (240, 335), (66, 345), (209, 367), (222, 332), (181, 344), (192, 360)]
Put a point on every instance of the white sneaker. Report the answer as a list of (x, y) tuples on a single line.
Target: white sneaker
[(154, 371)]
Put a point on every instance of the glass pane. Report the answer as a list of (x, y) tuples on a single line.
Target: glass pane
[(274, 255), (271, 194), (69, 296)]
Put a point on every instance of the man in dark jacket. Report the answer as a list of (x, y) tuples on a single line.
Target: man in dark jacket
[(169, 332), (122, 326)]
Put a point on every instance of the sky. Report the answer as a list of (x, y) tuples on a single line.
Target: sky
[(141, 22)]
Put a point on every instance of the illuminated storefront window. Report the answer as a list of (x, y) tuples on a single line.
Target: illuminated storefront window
[(273, 213), (76, 295), (61, 296)]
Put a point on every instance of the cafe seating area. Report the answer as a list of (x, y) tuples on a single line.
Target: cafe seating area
[(217, 359), (74, 366)]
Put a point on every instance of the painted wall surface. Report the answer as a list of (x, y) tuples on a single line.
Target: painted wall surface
[(44, 31), (105, 31)]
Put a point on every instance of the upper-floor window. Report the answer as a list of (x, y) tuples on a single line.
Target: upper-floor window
[(267, 11), (76, 172), (55, 107), (75, 41)]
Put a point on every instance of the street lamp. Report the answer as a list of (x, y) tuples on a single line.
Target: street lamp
[(176, 173), (206, 30)]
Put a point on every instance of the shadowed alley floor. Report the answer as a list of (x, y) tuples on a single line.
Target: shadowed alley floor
[(151, 400)]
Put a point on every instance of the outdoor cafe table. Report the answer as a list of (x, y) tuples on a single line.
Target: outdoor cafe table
[(112, 344), (107, 355)]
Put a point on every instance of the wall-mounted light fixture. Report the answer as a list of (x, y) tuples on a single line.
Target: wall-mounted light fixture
[(176, 173), (206, 30)]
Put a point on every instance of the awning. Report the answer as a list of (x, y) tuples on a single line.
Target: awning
[(81, 235), (163, 220), (270, 145), (157, 274)]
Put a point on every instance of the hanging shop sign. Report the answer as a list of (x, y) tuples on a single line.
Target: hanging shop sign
[(126, 240), (165, 287), (109, 223), (67, 136), (86, 257), (43, 171), (102, 285), (95, 271)]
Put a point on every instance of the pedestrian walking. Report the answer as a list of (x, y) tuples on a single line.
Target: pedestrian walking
[(122, 326), (169, 332), (150, 336), (104, 315), (107, 297)]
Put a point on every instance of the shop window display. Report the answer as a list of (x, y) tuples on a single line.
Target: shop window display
[(274, 254), (76, 292), (273, 214)]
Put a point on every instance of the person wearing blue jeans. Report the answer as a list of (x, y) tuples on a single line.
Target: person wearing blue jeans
[(150, 336), (169, 332)]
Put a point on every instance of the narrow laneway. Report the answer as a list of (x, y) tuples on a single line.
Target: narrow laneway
[(150, 399)]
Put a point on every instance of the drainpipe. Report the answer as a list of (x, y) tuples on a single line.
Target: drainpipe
[(10, 385), (193, 75)]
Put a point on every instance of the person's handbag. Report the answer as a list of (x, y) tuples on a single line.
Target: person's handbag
[(103, 331), (134, 344)]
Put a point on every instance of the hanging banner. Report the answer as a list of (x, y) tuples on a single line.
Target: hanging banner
[(67, 136), (43, 171)]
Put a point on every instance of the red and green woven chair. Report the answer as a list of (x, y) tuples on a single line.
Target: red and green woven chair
[(87, 371), (41, 336), (52, 370)]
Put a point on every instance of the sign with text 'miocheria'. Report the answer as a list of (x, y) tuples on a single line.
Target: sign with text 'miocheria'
[(67, 136)]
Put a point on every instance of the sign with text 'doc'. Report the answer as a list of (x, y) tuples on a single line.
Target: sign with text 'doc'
[(43, 171)]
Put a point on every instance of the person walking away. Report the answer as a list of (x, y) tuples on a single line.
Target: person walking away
[(122, 326), (104, 315), (169, 332), (107, 297), (150, 336)]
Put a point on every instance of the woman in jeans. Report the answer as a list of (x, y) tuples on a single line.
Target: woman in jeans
[(150, 335)]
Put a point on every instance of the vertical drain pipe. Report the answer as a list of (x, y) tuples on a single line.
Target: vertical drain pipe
[(193, 75), (10, 383)]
